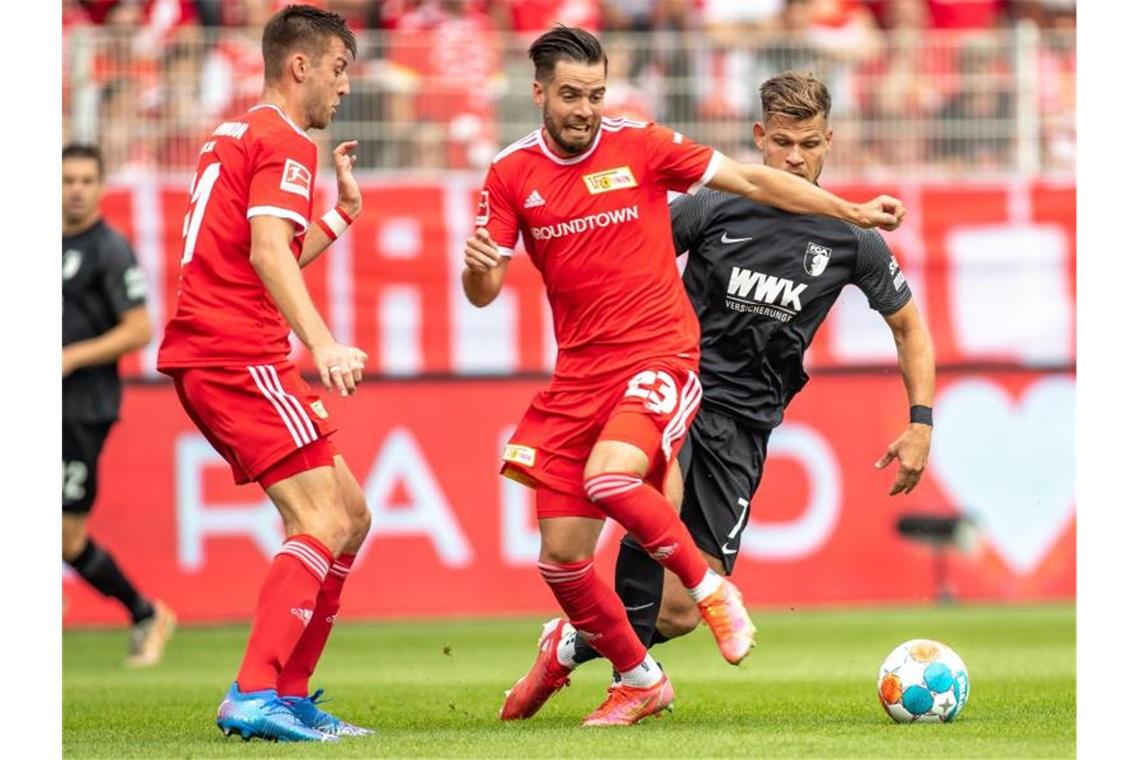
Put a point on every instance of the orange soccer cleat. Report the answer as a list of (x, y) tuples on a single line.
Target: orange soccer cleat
[(546, 676), (726, 616), (626, 705)]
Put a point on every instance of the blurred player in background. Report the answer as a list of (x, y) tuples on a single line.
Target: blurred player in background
[(104, 317), (246, 236), (752, 350), (588, 195)]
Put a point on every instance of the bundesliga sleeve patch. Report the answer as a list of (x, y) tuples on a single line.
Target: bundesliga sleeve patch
[(483, 213), (295, 178)]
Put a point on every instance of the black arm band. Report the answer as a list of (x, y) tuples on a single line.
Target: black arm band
[(923, 415)]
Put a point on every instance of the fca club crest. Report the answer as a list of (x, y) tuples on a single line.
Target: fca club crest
[(816, 259), (72, 259)]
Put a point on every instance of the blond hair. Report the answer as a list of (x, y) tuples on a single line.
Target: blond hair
[(795, 95)]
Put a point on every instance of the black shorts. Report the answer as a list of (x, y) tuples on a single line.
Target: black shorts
[(721, 461), (82, 444)]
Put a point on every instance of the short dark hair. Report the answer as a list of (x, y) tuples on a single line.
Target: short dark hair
[(564, 43), (301, 26), (84, 150), (795, 95)]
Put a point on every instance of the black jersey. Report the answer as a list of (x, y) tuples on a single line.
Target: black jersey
[(101, 280), (761, 281)]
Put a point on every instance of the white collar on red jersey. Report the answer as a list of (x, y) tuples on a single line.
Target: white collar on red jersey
[(568, 161), (288, 121)]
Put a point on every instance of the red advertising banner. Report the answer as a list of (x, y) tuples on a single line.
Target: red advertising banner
[(992, 264), (452, 537)]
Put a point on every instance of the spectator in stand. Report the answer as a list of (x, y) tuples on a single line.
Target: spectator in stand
[(232, 76), (178, 114), (967, 14), (661, 58), (846, 33), (976, 128), (901, 88), (531, 17), (1056, 79), (218, 14), (727, 73), (121, 134), (445, 75), (791, 47), (624, 97), (638, 15)]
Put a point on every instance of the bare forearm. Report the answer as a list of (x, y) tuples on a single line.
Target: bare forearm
[(282, 278), (916, 363), (108, 347), (316, 243), (794, 194), (317, 240)]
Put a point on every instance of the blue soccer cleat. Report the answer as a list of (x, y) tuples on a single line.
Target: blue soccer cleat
[(306, 711), (264, 715)]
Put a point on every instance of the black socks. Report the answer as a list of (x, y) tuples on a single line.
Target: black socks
[(98, 568)]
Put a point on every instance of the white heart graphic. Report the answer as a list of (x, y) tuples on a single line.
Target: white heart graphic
[(1009, 464)]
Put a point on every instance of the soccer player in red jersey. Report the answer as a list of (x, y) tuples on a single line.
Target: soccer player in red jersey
[(588, 195), (247, 233)]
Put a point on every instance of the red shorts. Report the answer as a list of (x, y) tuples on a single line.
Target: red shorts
[(651, 409), (257, 416)]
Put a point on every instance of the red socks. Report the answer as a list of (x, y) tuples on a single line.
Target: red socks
[(595, 611), (285, 608), (294, 678), (649, 516)]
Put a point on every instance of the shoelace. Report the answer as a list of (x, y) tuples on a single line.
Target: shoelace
[(278, 706), (324, 716), (612, 696)]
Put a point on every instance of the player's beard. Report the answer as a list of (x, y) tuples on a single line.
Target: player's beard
[(555, 132), (317, 110)]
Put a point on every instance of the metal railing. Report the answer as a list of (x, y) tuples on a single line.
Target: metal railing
[(994, 102)]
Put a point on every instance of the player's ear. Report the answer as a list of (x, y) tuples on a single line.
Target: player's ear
[(537, 93), (827, 144), (758, 134), (297, 65)]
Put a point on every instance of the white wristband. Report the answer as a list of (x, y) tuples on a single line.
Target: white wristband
[(336, 222)]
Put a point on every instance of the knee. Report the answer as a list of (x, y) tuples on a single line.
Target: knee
[(331, 527), (340, 531), (678, 617), (615, 457), (563, 555), (359, 519)]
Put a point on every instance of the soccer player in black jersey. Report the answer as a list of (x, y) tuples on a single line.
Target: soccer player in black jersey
[(104, 317), (762, 281)]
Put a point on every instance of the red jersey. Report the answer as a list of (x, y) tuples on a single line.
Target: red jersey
[(597, 227), (259, 165)]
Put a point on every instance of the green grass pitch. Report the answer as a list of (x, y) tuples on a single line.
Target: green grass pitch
[(433, 689)]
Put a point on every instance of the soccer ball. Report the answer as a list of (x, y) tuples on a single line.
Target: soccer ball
[(923, 681)]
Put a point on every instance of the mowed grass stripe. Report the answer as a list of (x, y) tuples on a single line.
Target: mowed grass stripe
[(433, 689)]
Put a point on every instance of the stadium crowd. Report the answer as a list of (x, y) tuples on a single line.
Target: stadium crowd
[(917, 84)]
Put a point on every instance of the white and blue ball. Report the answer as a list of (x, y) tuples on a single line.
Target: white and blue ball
[(923, 681)]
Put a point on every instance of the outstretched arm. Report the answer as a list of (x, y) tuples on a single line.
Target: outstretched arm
[(916, 362), (786, 191)]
